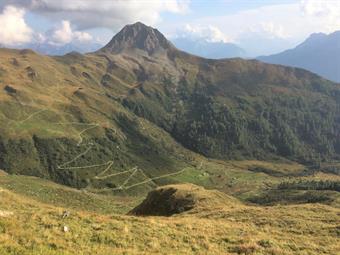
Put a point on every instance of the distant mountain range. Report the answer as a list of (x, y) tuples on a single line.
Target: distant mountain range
[(320, 53), (214, 50), (59, 50), (49, 49)]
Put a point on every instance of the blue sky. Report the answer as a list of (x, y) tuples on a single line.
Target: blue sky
[(258, 26)]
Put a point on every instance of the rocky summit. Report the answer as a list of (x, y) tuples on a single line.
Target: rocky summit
[(138, 36)]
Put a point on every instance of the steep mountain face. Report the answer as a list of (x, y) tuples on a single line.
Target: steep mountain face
[(138, 36), (245, 109), (320, 53), (130, 111), (213, 50)]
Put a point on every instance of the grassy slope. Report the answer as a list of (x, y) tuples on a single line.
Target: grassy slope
[(51, 193), (129, 140), (253, 110), (65, 104), (31, 227), (62, 102)]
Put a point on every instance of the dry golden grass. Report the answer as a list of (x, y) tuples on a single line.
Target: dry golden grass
[(36, 228)]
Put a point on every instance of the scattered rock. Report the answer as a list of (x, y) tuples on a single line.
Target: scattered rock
[(5, 213), (66, 229), (87, 76), (10, 89), (66, 214), (74, 71), (15, 62), (107, 80), (31, 73), (78, 92)]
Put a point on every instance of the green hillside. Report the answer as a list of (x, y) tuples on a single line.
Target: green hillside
[(139, 113)]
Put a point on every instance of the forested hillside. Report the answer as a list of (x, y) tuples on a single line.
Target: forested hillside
[(139, 109)]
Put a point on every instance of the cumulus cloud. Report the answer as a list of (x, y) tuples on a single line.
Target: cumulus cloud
[(320, 8), (14, 30), (64, 34), (208, 33), (270, 30), (273, 28), (327, 12), (103, 13)]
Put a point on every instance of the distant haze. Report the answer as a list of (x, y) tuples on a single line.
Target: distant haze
[(320, 54), (207, 49)]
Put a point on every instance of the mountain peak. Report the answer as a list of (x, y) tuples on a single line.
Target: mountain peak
[(315, 37), (138, 36)]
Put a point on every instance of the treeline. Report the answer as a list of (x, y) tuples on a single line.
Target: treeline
[(257, 127), (310, 185), (220, 122)]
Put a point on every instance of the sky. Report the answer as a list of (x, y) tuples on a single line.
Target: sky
[(260, 27)]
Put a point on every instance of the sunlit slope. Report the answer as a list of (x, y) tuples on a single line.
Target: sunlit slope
[(234, 109), (228, 227), (62, 122), (135, 113)]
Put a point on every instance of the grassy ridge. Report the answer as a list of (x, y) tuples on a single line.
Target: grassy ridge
[(54, 108), (233, 229), (72, 101)]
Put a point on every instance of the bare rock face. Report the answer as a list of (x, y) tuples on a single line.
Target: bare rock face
[(138, 36)]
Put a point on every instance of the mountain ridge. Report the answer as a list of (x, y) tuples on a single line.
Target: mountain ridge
[(138, 36), (319, 53), (90, 120)]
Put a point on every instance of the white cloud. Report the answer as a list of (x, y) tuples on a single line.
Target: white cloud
[(64, 34), (14, 30), (320, 7), (327, 12), (272, 28), (82, 36), (207, 33), (104, 13), (39, 38)]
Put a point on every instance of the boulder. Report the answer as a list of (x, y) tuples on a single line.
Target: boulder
[(179, 198)]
